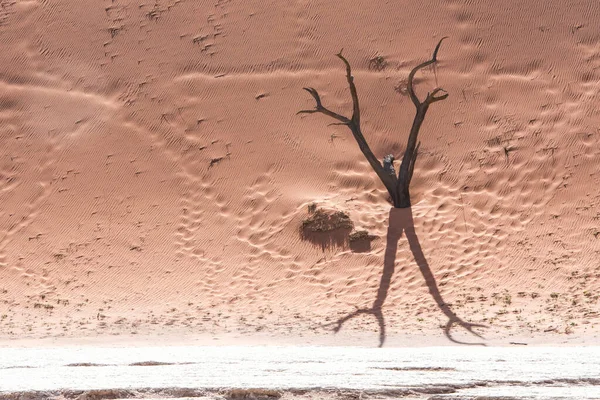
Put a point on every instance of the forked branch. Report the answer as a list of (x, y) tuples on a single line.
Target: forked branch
[(319, 107), (411, 77), (410, 154), (353, 93), (353, 124)]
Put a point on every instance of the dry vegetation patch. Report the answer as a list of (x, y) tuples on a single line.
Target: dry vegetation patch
[(258, 394), (105, 394), (326, 228), (360, 235), (321, 220)]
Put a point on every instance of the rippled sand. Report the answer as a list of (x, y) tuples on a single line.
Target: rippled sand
[(155, 175)]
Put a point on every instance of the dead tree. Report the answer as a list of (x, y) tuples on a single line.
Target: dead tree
[(396, 184)]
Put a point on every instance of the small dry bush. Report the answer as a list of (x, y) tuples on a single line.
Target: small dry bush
[(377, 63), (148, 364), (85, 364), (360, 235), (327, 221)]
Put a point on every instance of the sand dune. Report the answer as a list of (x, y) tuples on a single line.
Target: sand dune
[(155, 175)]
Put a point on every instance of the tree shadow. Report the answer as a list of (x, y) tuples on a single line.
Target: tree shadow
[(401, 221)]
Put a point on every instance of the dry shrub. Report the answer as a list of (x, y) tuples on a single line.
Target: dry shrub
[(360, 235), (148, 364), (327, 221), (377, 63)]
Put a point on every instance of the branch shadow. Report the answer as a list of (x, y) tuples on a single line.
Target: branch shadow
[(401, 222)]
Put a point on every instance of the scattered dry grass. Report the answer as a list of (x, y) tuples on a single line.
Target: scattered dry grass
[(148, 364), (377, 63), (419, 369), (105, 394), (258, 394), (86, 364)]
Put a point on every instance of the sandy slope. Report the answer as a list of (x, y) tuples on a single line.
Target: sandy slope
[(155, 175)]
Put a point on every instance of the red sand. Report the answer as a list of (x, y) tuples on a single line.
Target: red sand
[(155, 175)]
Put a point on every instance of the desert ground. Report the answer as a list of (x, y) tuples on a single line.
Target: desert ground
[(156, 180)]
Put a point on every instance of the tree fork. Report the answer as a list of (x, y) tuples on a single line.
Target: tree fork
[(396, 185)]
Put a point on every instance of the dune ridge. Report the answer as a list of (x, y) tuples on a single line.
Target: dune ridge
[(155, 175)]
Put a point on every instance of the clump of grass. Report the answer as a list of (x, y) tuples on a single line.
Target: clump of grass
[(41, 305), (322, 220), (258, 394), (85, 364), (377, 63), (149, 364), (153, 14), (402, 87)]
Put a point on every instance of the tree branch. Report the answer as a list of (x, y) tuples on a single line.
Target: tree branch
[(410, 154), (354, 125), (432, 98), (353, 93), (412, 73), (320, 109)]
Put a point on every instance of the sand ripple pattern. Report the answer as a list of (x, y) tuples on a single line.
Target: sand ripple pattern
[(154, 173)]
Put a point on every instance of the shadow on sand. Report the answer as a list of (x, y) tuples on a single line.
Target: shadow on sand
[(401, 221), (329, 239)]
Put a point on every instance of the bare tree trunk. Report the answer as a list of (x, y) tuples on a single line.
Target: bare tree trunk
[(396, 185)]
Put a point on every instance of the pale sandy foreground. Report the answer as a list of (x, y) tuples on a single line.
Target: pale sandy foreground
[(154, 175), (269, 372)]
